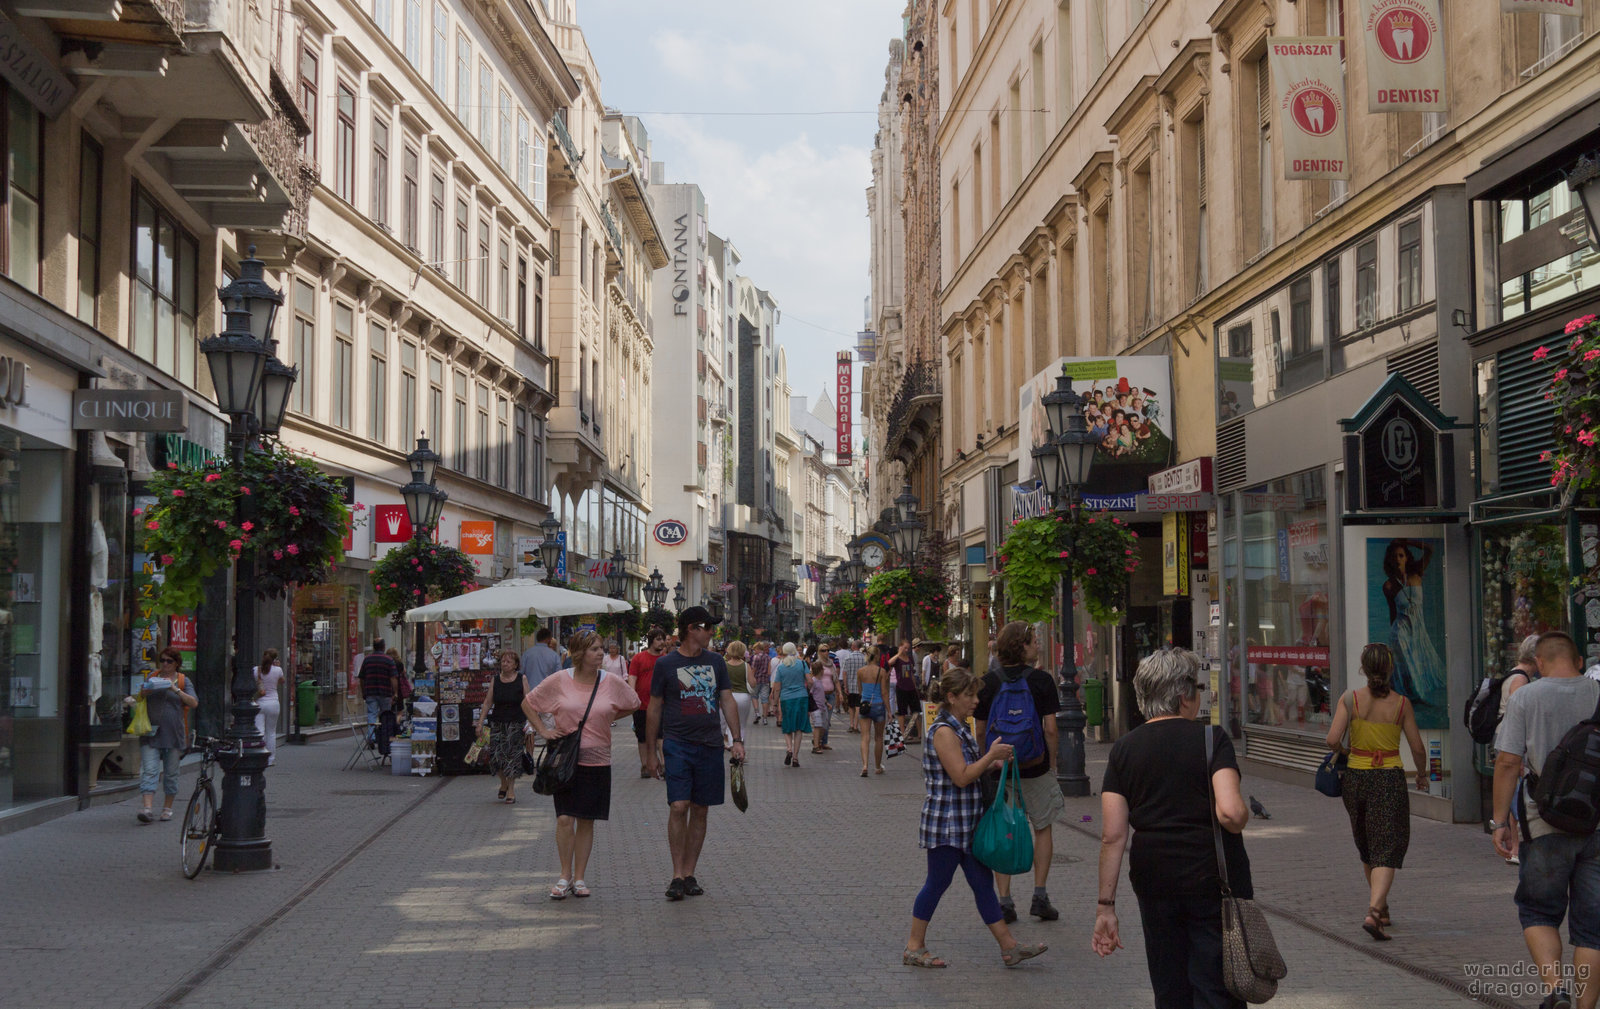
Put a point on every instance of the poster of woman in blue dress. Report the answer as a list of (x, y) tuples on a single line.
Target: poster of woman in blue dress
[(1405, 611)]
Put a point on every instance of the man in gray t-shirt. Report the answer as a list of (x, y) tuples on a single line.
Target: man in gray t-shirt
[(541, 660)]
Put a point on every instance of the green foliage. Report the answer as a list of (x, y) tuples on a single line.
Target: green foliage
[(1098, 551), (844, 615), (278, 508), (658, 616), (416, 572), (624, 626), (889, 594)]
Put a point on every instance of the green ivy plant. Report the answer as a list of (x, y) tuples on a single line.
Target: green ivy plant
[(416, 572), (1098, 552), (844, 615), (278, 509), (889, 594)]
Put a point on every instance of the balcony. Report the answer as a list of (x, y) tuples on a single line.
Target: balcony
[(914, 413), (613, 233), (567, 164)]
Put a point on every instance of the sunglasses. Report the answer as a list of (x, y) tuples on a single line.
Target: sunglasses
[(699, 627)]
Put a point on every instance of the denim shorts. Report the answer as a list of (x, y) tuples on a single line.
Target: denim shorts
[(1560, 878), (694, 772)]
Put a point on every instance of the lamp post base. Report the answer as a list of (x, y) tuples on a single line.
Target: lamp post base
[(243, 846)]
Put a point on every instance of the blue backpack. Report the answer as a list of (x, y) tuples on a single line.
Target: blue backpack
[(1014, 719)]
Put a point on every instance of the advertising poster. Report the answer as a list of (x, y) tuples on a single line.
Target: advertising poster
[(1405, 56), (1405, 610), (843, 404), (1128, 409), (1308, 85), (1570, 8)]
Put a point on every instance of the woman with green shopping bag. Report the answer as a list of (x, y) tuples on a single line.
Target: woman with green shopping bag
[(951, 767)]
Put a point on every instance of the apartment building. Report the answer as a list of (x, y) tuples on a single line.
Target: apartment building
[(1114, 189), (883, 362)]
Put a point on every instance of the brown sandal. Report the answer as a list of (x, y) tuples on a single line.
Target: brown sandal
[(1383, 917), (1373, 925), (921, 958), (1019, 953)]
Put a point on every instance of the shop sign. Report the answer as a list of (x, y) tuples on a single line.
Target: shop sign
[(1308, 82), (1304, 534), (1192, 477), (527, 556), (477, 537), (709, 569), (1111, 502), (1283, 556), (671, 533), (1570, 8), (1028, 502), (1174, 554), (1399, 454), (13, 381), (30, 72), (183, 634), (1405, 56), (390, 524), (129, 410), (844, 414), (725, 587), (1200, 540), (172, 448), (1177, 502), (1263, 502), (1289, 655)]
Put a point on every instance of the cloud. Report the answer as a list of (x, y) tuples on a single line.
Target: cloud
[(727, 65)]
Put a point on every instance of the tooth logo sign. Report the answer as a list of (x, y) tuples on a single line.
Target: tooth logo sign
[(1404, 36), (1315, 110)]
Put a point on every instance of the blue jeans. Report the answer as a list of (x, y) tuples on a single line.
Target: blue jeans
[(1560, 878), (159, 762), (375, 705), (942, 864), (1183, 950)]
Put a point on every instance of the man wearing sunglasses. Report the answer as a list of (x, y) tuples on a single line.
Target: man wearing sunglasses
[(690, 695)]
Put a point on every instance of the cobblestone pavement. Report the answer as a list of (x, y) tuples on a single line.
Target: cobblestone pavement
[(413, 892)]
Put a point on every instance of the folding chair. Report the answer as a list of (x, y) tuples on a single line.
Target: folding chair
[(366, 739)]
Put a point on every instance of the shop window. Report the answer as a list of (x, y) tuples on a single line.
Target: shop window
[(1524, 581), (1409, 289), (1543, 254), (1280, 669), (90, 178), (165, 263)]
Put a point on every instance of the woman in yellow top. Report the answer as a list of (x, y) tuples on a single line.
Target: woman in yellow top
[(1375, 782)]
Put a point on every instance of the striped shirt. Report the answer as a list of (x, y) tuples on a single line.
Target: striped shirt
[(949, 813), (850, 663)]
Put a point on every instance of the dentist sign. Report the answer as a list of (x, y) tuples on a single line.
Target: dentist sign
[(1405, 56), (1308, 83)]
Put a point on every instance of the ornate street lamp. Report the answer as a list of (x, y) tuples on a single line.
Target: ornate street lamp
[(1064, 463), (655, 590), (617, 575), (424, 504), (277, 382), (550, 548), (252, 295), (679, 597), (907, 541)]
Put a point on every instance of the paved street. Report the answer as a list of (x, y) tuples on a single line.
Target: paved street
[(420, 892)]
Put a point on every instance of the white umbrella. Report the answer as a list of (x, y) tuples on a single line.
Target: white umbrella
[(514, 599)]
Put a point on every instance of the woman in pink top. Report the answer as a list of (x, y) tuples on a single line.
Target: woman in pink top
[(565, 695)]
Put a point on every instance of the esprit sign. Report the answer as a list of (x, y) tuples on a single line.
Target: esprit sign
[(671, 533), (129, 410)]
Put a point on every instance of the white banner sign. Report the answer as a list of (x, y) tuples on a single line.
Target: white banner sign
[(1405, 56), (1571, 8), (1308, 84)]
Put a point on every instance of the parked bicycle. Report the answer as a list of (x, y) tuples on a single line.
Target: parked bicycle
[(201, 821)]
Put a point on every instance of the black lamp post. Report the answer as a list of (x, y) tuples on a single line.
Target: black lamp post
[(1064, 463), (550, 547), (679, 597), (1584, 179), (617, 575), (655, 590), (237, 358), (424, 504), (907, 541)]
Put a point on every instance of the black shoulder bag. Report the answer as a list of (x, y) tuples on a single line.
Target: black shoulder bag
[(1251, 963), (559, 762)]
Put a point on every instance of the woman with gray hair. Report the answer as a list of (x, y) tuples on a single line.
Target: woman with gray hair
[(1157, 781)]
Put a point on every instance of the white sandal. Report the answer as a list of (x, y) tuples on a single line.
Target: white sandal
[(559, 891)]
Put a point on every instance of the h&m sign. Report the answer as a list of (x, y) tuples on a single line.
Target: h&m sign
[(1399, 456)]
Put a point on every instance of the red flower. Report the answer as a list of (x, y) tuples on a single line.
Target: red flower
[(1091, 571), (1063, 553), (247, 526), (152, 524), (292, 549), (277, 555), (1541, 353), (213, 477), (244, 490), (1561, 374), (137, 512), (221, 524), (177, 492), (236, 544), (166, 559), (293, 510)]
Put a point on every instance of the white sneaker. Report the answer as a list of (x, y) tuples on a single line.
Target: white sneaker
[(1513, 860)]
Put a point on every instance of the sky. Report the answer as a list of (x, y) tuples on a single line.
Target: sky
[(770, 107)]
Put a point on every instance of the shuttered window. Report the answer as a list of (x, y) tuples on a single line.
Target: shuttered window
[(1524, 423)]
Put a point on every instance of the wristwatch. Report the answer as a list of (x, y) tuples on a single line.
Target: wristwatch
[(1494, 826)]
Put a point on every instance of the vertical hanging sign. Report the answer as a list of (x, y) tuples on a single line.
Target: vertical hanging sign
[(1405, 56), (1571, 8), (842, 400), (1308, 85)]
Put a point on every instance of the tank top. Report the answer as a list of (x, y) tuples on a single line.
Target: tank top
[(1374, 746), (507, 701), (738, 677)]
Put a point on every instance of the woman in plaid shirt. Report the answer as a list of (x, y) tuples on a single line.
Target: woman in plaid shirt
[(761, 680), (951, 768)]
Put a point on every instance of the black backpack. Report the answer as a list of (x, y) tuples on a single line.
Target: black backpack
[(1567, 787), (1482, 712)]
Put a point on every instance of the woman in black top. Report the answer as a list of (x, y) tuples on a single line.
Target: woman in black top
[(502, 712), (1156, 781)]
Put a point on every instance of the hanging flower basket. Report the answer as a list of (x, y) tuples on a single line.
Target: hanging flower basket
[(889, 594), (1575, 394), (278, 509), (1036, 556), (844, 615), (415, 572)]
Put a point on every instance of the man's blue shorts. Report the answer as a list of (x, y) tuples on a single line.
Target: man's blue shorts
[(694, 772)]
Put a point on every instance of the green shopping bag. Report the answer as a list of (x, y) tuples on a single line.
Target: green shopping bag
[(1003, 840)]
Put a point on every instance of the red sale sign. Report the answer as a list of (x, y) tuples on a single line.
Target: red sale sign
[(843, 404)]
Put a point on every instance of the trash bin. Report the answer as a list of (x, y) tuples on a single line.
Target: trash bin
[(305, 703), (1094, 702)]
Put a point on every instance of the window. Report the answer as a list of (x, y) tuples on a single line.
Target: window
[(502, 443), (411, 197), (522, 298), (537, 157), (505, 129), (165, 276), (583, 257), (1367, 284), (305, 346), (955, 223), (90, 175), (463, 77), (519, 483), (583, 385), (1409, 290), (483, 433), (594, 383), (344, 356), (540, 489), (344, 176), (459, 433), (538, 313), (440, 77), (977, 192), (1264, 167), (555, 252), (308, 100), (1332, 322), (379, 199), (504, 286), (463, 238), (436, 223), (1300, 335), (1196, 213), (1035, 115), (994, 167), (1063, 61), (596, 275), (414, 33), (483, 262), (1014, 141), (524, 180), (408, 395), (383, 14), (378, 382), (485, 104), (436, 402)]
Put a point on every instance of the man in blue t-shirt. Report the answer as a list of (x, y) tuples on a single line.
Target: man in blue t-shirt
[(690, 695)]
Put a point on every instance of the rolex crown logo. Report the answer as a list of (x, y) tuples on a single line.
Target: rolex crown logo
[(1313, 100), (1401, 21)]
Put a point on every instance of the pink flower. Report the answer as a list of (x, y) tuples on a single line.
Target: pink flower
[(213, 477), (236, 544), (1590, 355), (166, 559), (172, 465), (1541, 353), (1091, 571), (293, 510), (221, 524), (1091, 520), (394, 585), (1544, 456), (244, 490), (1586, 437), (137, 512), (1128, 552), (152, 524), (1063, 553), (1579, 323), (360, 507), (247, 526), (293, 550), (177, 492), (1561, 374), (277, 555)]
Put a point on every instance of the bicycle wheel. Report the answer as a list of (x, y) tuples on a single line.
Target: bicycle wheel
[(199, 828)]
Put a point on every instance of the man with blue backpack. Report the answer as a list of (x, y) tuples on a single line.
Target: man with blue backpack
[(1017, 704)]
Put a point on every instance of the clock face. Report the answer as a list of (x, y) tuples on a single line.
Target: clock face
[(872, 555)]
